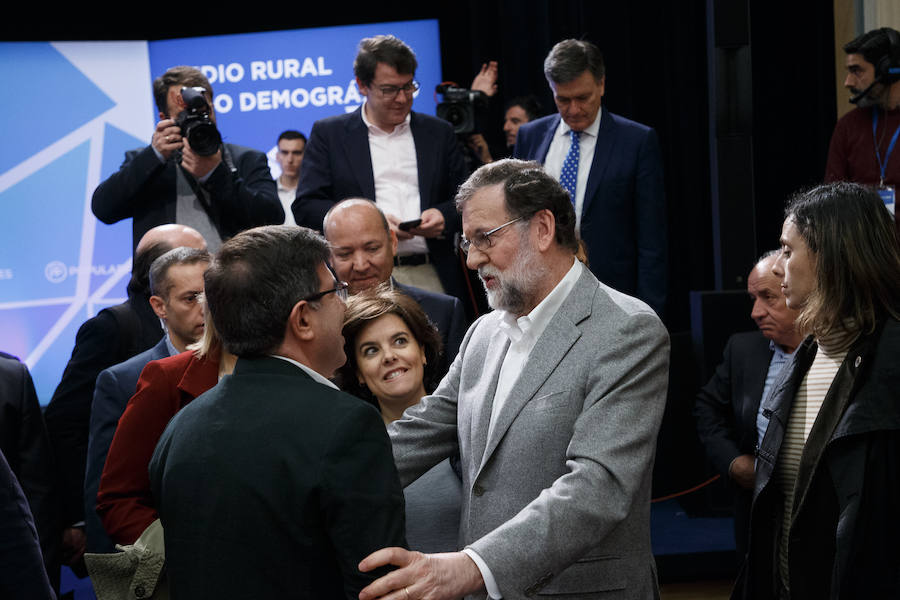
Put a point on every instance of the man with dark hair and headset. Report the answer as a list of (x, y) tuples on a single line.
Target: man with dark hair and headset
[(863, 141)]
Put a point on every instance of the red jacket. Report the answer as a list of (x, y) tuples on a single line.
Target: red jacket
[(124, 500)]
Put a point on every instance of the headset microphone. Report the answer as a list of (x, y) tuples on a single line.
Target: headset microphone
[(857, 97)]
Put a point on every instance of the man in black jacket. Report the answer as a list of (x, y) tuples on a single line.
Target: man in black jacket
[(218, 194), (274, 483)]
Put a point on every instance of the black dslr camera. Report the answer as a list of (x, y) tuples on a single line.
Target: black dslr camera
[(195, 123), (465, 110)]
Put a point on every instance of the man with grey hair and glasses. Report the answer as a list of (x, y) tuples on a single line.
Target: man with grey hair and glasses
[(553, 404)]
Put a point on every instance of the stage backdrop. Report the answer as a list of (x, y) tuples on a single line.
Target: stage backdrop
[(78, 106)]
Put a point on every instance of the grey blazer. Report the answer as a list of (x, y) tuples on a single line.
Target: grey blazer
[(557, 501)]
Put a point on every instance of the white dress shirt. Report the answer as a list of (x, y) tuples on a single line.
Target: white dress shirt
[(396, 173), (523, 334), (287, 197), (315, 376), (556, 156)]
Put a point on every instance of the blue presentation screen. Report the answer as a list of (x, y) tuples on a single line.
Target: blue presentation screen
[(59, 265), (265, 83)]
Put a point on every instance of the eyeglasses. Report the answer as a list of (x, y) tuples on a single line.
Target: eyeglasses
[(389, 92), (483, 240), (340, 288)]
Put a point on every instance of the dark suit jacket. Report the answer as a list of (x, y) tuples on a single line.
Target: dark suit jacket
[(22, 573), (726, 409), (271, 485), (623, 219), (124, 502), (337, 164), (145, 189), (115, 386), (101, 342), (24, 442), (446, 313)]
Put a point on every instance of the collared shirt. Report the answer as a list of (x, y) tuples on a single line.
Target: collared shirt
[(287, 196), (523, 334), (779, 358), (396, 174), (315, 376), (556, 156), (169, 345)]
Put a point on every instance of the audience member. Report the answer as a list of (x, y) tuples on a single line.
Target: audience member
[(730, 421), (363, 248), (554, 404), (109, 338), (22, 573), (24, 442), (519, 110), (611, 168), (291, 145), (123, 500), (392, 355), (170, 182), (176, 282), (824, 522), (863, 141), (274, 483), (407, 162)]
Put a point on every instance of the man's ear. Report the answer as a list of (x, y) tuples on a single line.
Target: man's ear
[(159, 306), (302, 320), (546, 228), (393, 236)]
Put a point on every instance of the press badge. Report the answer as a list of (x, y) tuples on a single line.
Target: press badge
[(887, 196)]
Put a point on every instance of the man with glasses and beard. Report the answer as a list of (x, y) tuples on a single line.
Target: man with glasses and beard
[(553, 403)]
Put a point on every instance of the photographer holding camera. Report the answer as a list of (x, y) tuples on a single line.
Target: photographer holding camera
[(187, 175)]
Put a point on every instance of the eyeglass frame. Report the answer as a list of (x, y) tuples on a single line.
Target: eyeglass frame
[(341, 289), (409, 89), (483, 240)]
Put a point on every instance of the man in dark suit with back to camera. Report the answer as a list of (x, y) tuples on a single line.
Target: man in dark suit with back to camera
[(612, 169), (363, 248), (730, 415), (553, 403), (407, 162), (219, 190), (275, 484)]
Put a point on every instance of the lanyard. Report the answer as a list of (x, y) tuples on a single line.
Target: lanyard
[(882, 165)]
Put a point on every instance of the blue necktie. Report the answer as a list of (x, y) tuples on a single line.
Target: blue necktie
[(569, 176)]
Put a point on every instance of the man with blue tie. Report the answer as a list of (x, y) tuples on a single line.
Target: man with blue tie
[(612, 169)]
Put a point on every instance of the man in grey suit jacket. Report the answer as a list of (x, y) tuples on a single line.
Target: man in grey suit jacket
[(553, 402)]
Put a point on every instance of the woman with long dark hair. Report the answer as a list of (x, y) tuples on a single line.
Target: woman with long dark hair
[(824, 522)]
